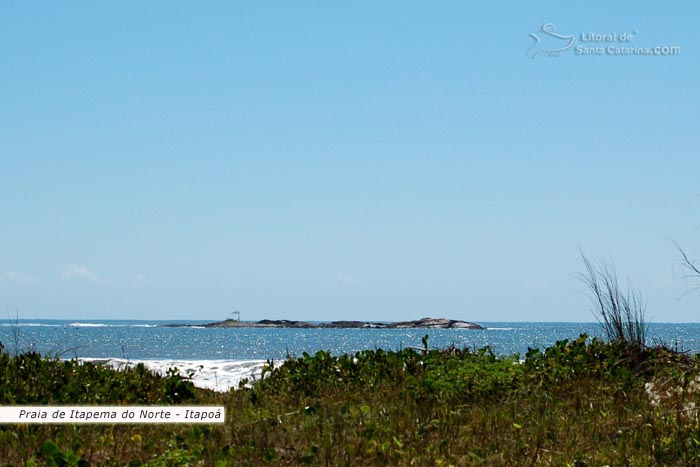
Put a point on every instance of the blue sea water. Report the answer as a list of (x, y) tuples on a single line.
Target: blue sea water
[(139, 340)]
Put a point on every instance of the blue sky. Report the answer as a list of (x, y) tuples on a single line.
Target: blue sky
[(363, 160)]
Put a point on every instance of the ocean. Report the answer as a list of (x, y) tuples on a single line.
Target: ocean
[(218, 358)]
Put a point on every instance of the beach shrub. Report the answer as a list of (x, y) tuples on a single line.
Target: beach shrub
[(30, 378)]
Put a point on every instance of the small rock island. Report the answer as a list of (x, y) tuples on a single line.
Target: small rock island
[(423, 323)]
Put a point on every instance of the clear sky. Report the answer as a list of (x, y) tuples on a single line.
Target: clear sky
[(343, 160)]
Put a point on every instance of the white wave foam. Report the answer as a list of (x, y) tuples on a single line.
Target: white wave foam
[(217, 375), (117, 325)]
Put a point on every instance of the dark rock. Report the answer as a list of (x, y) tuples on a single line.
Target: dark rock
[(436, 323), (423, 323)]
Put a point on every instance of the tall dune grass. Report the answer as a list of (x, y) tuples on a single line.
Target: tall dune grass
[(621, 312)]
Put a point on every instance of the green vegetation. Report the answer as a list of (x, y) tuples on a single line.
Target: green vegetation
[(578, 403)]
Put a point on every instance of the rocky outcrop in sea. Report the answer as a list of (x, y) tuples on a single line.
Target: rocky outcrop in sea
[(423, 323)]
